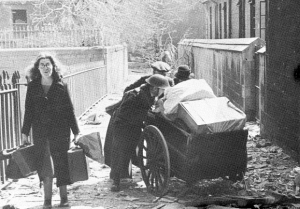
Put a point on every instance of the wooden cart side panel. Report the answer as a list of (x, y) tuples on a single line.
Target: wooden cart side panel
[(177, 144), (216, 155)]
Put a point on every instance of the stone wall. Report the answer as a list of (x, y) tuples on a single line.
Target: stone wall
[(18, 59), (105, 69), (228, 66)]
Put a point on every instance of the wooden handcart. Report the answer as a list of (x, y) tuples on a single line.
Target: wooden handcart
[(166, 149)]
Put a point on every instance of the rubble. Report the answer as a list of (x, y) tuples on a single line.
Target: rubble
[(269, 170)]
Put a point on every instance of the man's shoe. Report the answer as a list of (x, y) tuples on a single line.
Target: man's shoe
[(115, 187), (64, 202), (47, 204)]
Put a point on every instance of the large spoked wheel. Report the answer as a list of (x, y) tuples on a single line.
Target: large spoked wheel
[(154, 160)]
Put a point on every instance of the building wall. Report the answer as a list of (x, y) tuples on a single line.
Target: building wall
[(233, 18), (6, 7), (280, 118), (227, 66), (5, 17)]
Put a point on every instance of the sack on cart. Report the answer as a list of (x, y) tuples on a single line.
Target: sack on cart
[(193, 89), (92, 146)]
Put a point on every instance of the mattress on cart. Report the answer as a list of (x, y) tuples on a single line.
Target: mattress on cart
[(190, 90), (211, 115)]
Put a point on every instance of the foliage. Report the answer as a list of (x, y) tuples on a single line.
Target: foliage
[(146, 26)]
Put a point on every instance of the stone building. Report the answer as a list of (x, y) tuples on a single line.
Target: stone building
[(235, 18), (17, 13), (278, 23)]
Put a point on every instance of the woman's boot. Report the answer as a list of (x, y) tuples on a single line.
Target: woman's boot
[(115, 185), (63, 196), (47, 192)]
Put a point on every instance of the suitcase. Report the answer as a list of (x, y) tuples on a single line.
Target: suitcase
[(22, 163), (78, 165), (211, 115)]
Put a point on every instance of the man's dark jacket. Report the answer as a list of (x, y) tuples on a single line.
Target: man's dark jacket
[(128, 123), (131, 112), (137, 83)]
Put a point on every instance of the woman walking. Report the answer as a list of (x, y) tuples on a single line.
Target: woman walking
[(49, 113)]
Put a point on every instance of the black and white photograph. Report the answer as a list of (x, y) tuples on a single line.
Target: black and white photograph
[(149, 104)]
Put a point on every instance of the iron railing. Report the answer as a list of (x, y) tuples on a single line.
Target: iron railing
[(50, 36), (86, 87), (10, 123)]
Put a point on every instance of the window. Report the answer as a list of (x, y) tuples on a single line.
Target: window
[(216, 22), (262, 20), (210, 22), (241, 5), (19, 16), (252, 18), (220, 20), (225, 19), (229, 19)]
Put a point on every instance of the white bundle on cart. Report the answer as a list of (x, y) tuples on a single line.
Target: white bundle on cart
[(193, 89)]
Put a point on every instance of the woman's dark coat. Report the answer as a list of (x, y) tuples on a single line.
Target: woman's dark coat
[(51, 117)]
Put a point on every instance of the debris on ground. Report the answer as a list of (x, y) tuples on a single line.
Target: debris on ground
[(272, 199), (270, 172)]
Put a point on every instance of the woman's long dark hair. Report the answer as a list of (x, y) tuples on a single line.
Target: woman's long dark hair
[(34, 72)]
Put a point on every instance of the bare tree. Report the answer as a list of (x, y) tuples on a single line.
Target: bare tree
[(146, 26)]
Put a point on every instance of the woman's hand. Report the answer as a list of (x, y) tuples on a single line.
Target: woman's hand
[(76, 137), (74, 142), (25, 140)]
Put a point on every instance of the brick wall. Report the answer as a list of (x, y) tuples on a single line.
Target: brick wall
[(280, 118), (75, 60), (18, 59)]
